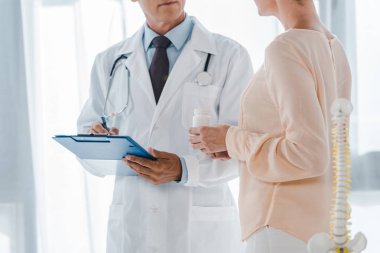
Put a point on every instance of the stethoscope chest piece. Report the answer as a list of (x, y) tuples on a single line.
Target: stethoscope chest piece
[(204, 79)]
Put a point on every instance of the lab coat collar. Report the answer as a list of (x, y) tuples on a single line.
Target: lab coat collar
[(200, 44), (201, 40), (136, 63), (131, 44)]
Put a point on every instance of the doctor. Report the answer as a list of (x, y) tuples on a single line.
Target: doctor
[(148, 87)]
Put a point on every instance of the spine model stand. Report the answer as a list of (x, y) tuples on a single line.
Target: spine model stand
[(338, 241)]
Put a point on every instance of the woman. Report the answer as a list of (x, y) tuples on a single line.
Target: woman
[(283, 138)]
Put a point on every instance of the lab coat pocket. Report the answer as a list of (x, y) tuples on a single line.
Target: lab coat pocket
[(215, 229), (115, 229), (197, 96)]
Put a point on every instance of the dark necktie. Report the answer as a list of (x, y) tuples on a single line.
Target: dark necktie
[(159, 68)]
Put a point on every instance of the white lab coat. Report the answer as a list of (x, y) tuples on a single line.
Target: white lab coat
[(199, 216)]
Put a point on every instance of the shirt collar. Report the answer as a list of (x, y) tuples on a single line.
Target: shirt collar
[(178, 35)]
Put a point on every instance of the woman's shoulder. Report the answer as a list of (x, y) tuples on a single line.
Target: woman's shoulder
[(299, 42), (302, 36), (282, 44), (295, 35)]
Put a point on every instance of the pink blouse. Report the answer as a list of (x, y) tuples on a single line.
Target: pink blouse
[(283, 139)]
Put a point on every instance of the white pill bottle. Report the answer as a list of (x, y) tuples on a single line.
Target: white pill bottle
[(201, 117)]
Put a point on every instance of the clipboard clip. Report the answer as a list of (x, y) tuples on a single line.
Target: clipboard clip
[(91, 138)]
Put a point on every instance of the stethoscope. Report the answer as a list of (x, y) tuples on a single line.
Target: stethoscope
[(105, 117), (202, 79)]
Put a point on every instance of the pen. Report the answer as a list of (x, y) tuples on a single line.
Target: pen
[(104, 123)]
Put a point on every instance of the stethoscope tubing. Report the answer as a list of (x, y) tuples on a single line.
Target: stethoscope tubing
[(123, 56), (111, 76), (207, 62)]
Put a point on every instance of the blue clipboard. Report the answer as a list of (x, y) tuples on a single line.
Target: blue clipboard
[(102, 147)]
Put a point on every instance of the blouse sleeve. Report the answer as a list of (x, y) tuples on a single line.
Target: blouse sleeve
[(301, 150)]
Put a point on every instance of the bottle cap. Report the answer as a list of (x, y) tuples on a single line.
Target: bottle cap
[(201, 111)]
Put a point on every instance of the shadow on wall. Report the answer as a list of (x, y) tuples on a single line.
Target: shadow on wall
[(365, 172)]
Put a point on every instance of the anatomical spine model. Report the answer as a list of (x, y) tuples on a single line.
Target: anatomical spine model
[(338, 241)]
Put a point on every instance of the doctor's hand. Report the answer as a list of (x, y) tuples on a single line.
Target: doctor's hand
[(97, 128), (165, 169), (210, 140)]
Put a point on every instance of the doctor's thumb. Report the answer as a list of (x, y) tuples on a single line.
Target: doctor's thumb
[(154, 152)]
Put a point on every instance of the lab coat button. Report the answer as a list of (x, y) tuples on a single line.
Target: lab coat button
[(154, 209)]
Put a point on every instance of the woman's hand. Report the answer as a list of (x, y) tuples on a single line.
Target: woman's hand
[(210, 140), (224, 156)]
